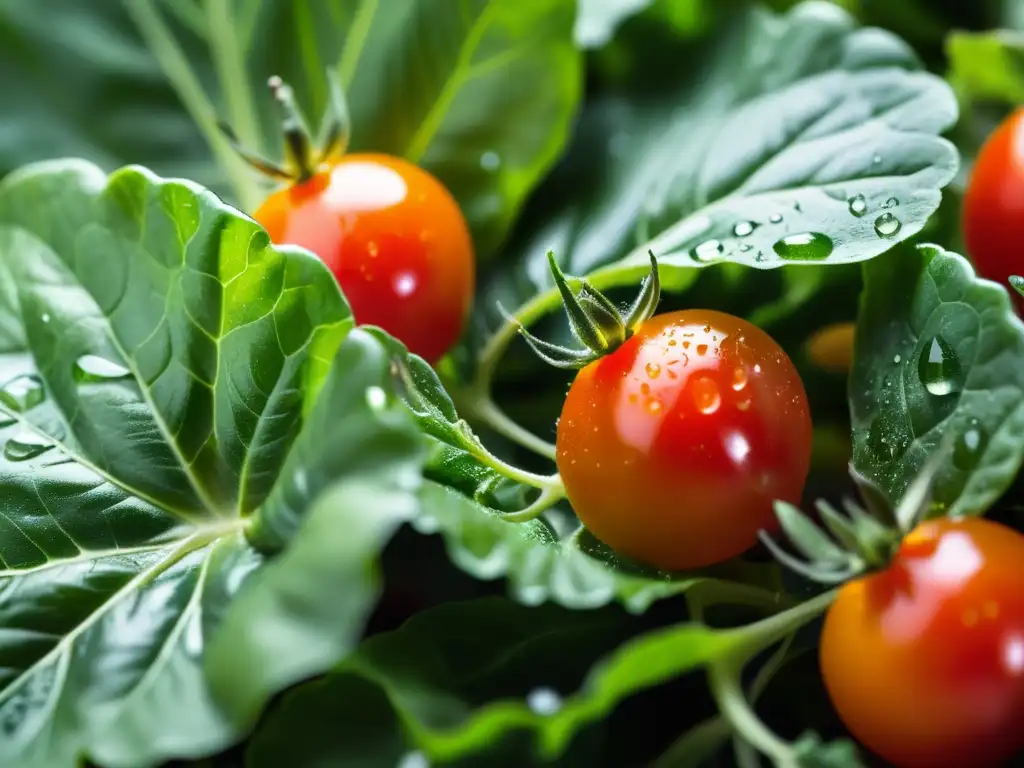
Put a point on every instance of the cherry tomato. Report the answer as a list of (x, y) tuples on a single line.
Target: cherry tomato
[(924, 661), (831, 348), (673, 447), (394, 238), (993, 214)]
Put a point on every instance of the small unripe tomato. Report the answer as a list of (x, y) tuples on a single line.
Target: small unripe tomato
[(674, 446), (395, 239), (831, 348), (924, 661), (993, 212)]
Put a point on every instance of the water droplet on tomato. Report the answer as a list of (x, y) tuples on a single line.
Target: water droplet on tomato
[(653, 370), (858, 205), (805, 246), (654, 406), (95, 368), (645, 388), (887, 225), (23, 393), (706, 396), (744, 404), (702, 349), (939, 368), (739, 378), (26, 445), (708, 251), (405, 284)]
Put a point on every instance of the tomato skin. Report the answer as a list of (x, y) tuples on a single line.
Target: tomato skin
[(394, 238), (924, 661), (993, 212), (673, 447)]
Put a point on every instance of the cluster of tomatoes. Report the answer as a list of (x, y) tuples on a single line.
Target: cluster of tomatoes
[(675, 441)]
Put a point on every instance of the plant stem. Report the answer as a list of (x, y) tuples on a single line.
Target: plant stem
[(516, 475), (487, 411), (548, 498), (178, 71), (229, 57)]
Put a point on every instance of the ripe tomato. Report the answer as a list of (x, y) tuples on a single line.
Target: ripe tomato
[(673, 447), (831, 348), (994, 204), (924, 661), (394, 238)]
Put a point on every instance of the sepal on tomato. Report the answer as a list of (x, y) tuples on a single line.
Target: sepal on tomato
[(864, 536), (595, 320)]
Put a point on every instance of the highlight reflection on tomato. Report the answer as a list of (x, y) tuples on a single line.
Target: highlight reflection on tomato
[(394, 238), (924, 661), (673, 447), (993, 214)]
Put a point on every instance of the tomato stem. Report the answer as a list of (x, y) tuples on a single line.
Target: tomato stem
[(547, 499), (487, 411)]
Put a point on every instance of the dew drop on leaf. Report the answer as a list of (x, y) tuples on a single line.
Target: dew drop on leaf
[(775, 218), (939, 368), (892, 202), (707, 251), (805, 246), (544, 701), (95, 368), (25, 445), (744, 228), (897, 359), (413, 760), (490, 161), (969, 446), (887, 225), (858, 205), (887, 439), (376, 398), (23, 393)]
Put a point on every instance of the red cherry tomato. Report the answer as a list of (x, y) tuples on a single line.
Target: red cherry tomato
[(394, 238), (994, 204), (924, 661), (673, 447)]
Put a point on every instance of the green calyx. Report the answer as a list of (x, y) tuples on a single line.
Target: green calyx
[(303, 156), (595, 320), (864, 537)]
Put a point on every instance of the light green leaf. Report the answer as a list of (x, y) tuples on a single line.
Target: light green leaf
[(171, 356), (937, 352), (482, 93), (988, 65)]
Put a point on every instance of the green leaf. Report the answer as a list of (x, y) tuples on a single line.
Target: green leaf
[(482, 93), (759, 153), (158, 412), (574, 570), (937, 353), (811, 752), (597, 20), (434, 673), (987, 65)]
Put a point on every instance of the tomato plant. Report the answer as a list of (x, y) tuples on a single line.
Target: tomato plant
[(993, 209), (674, 446), (924, 660), (319, 474)]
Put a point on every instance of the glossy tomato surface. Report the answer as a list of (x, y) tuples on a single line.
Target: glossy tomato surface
[(993, 214), (925, 661), (673, 447), (394, 238)]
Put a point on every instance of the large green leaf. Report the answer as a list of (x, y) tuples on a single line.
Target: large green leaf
[(152, 431), (937, 352), (988, 65), (433, 673), (793, 138)]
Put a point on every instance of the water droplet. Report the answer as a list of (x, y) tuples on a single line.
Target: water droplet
[(746, 248), (376, 398), (939, 368), (413, 760), (373, 249), (490, 161), (887, 225), (744, 228), (23, 393), (775, 218), (702, 349), (743, 405), (887, 438), (876, 159), (858, 205), (94, 368), (969, 447), (653, 370), (26, 445), (739, 378), (654, 406), (797, 208), (544, 701), (706, 396), (806, 246), (897, 359), (707, 251), (45, 318), (892, 202)]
